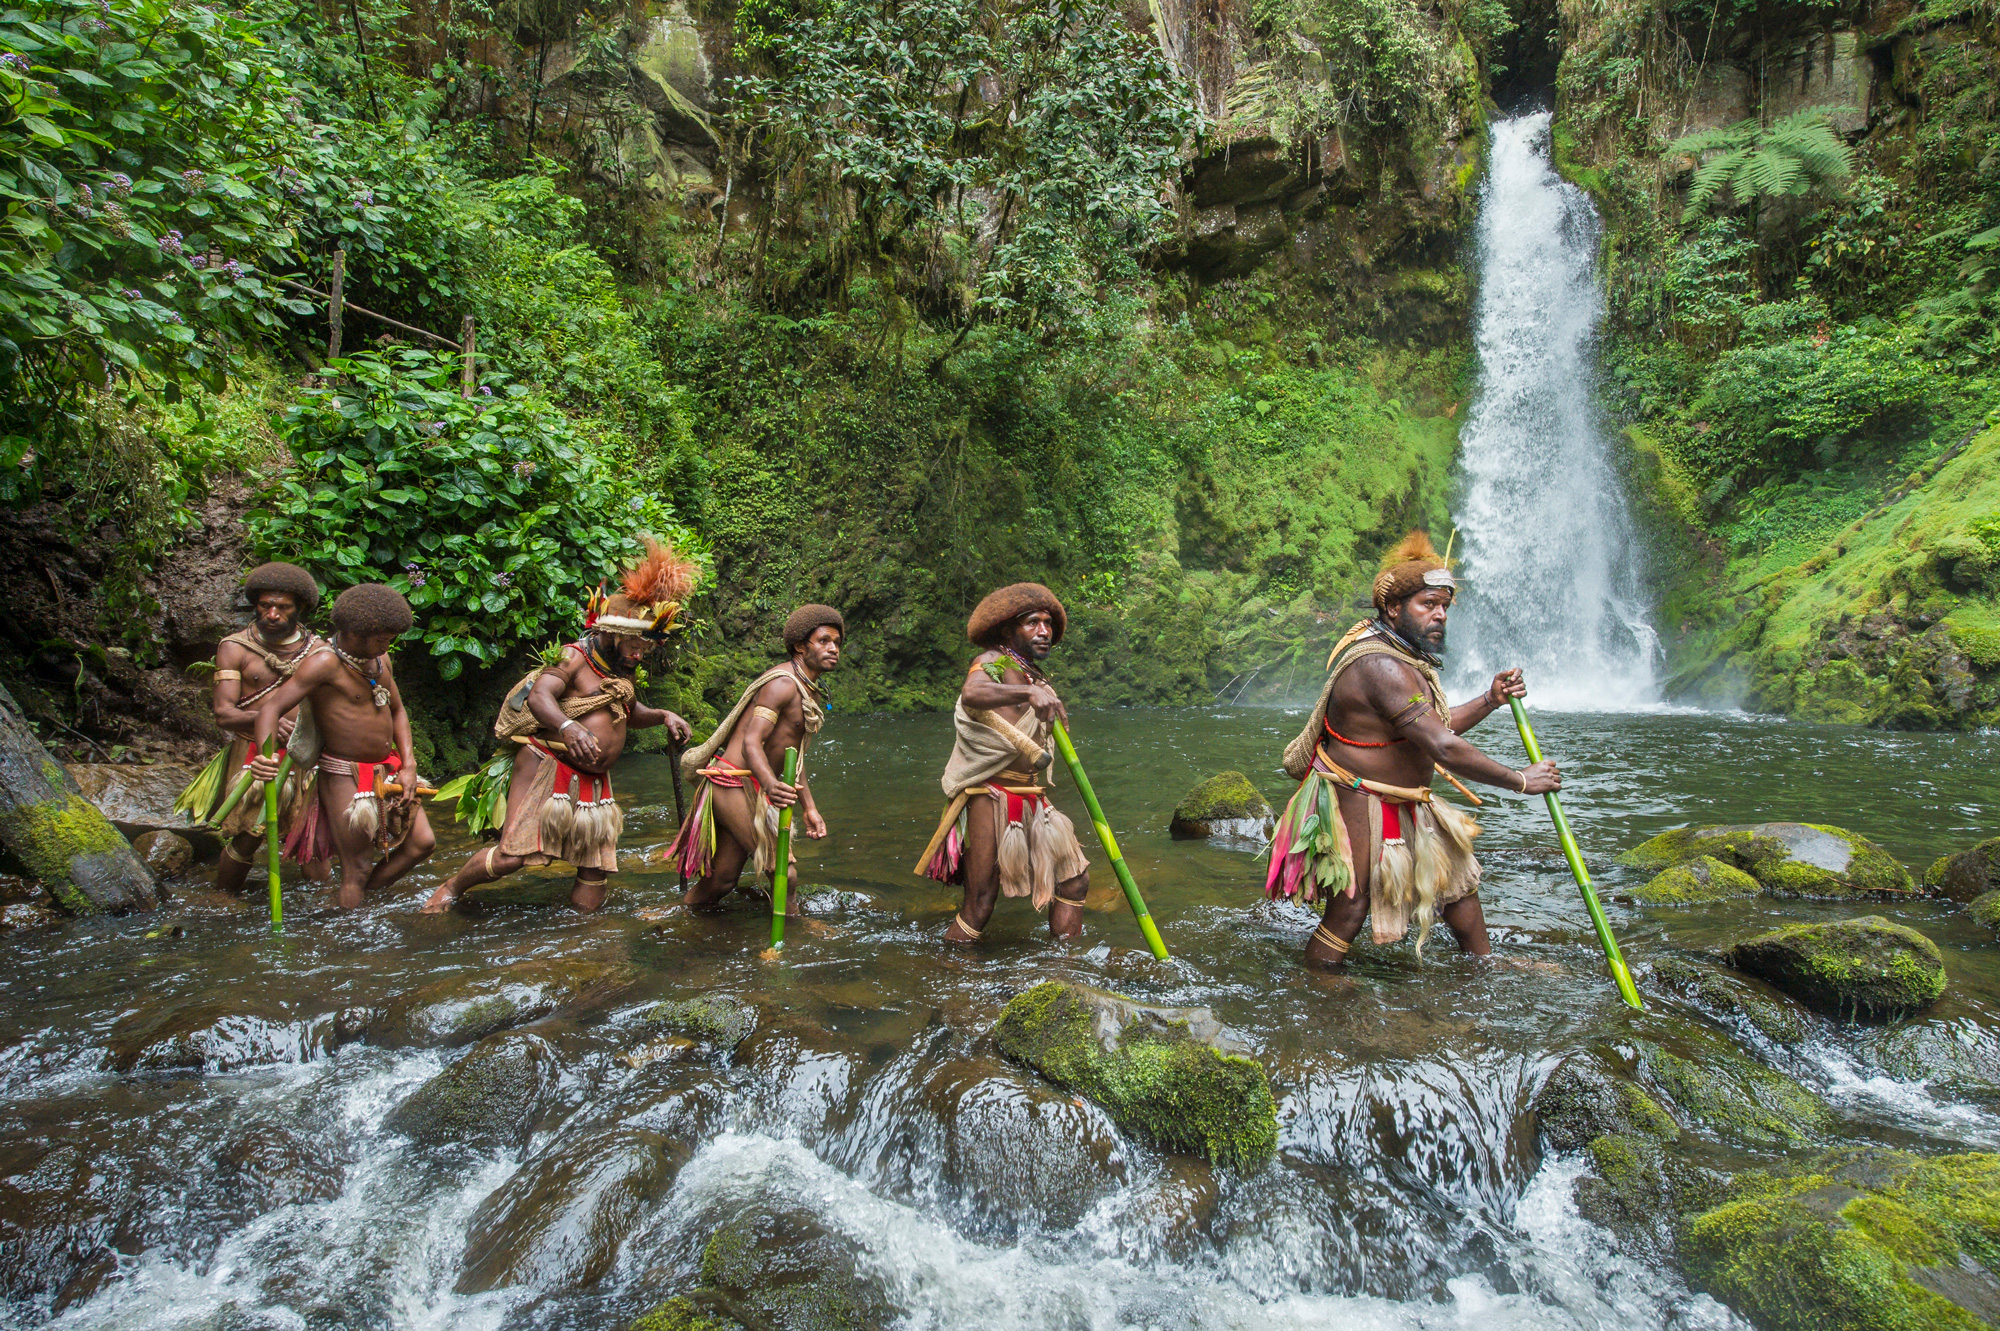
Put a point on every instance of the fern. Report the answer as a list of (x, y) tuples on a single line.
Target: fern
[(1796, 156)]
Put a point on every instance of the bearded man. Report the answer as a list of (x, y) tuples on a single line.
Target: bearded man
[(1000, 834), (1363, 832), (250, 665), (783, 708), (572, 719), (353, 730)]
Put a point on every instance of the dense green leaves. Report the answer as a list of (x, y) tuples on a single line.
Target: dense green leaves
[(1748, 161), (491, 513)]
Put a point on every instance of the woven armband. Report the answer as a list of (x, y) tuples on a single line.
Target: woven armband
[(229, 674), (766, 713)]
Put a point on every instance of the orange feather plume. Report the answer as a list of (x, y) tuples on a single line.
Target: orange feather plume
[(1417, 545), (663, 575)]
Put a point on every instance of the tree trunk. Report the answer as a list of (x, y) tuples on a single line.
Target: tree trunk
[(58, 836)]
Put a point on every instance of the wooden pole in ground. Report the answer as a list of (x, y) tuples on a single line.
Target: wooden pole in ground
[(336, 291), (59, 837), (465, 374)]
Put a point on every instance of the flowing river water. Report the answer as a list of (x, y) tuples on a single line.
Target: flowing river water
[(868, 1127)]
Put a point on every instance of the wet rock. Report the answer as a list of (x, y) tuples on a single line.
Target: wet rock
[(1865, 969), (1967, 875), (1717, 1089), (1985, 911), (136, 798), (59, 1212), (1584, 1100), (273, 1165), (681, 1314), (167, 854), (1789, 859), (471, 1006), (491, 1097), (722, 1020), (1224, 805), (215, 1036), (1827, 71), (1018, 1154), (1734, 1000), (1958, 1057), (787, 1271), (558, 1223), (1173, 1075), (1703, 878), (1865, 1239)]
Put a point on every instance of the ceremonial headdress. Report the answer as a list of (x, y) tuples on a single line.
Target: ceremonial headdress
[(990, 618), (1409, 568), (799, 625), (290, 579), (649, 598), (371, 608)]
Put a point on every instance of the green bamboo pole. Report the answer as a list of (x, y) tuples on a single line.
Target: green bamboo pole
[(778, 874), (235, 797), (1628, 990), (1132, 897), (272, 793)]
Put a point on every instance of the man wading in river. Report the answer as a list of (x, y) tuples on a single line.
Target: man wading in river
[(250, 664), (1364, 762), (352, 728), (574, 716), (732, 821), (1000, 834)]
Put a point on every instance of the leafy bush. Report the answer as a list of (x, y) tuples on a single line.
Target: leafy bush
[(492, 514)]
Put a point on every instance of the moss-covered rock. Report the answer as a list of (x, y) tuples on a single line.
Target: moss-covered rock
[(787, 1271), (681, 1314), (490, 1097), (1789, 859), (1868, 1240), (1224, 805), (1985, 911), (1584, 1100), (1866, 969), (1718, 1090), (1703, 878), (1968, 875), (722, 1020), (1168, 1074), (469, 1007), (1741, 1003)]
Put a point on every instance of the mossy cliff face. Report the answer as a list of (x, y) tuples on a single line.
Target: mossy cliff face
[(1147, 1068), (1867, 969)]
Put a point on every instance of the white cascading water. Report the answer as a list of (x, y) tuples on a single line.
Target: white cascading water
[(1552, 570)]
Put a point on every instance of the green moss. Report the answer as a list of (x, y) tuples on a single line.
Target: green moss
[(1703, 878), (1967, 874), (49, 839), (1728, 997), (1985, 911), (678, 1314), (718, 1019), (1866, 968), (1224, 795), (1934, 876), (1163, 1085), (729, 1258), (1784, 857), (1729, 1094)]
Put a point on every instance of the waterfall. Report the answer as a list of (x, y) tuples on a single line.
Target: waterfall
[(1553, 574)]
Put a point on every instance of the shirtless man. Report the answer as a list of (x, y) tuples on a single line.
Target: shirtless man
[(1383, 722), (250, 664), (360, 742), (559, 801), (782, 709), (1001, 834)]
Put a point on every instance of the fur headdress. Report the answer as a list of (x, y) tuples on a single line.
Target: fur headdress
[(988, 625), (800, 624), (1409, 568), (650, 596), (290, 579)]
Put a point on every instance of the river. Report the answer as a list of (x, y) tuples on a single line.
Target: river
[(868, 1120)]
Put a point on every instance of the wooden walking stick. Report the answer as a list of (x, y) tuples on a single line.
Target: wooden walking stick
[(1628, 990), (784, 855), (674, 750), (1132, 897), (272, 791)]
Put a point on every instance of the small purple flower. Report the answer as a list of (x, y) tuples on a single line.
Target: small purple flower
[(173, 318), (83, 192), (198, 261), (121, 184), (132, 293), (114, 217), (486, 390), (417, 575), (503, 579), (524, 469), (170, 243), (234, 269), (15, 61), (193, 181), (433, 428)]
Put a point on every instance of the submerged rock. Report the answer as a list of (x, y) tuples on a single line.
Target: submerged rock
[(468, 1007), (1730, 1096), (489, 1098), (1168, 1074), (215, 1035), (722, 1020), (558, 1223), (1224, 805), (167, 854), (1968, 875), (787, 1271), (1703, 878), (1018, 1153), (681, 1314), (1865, 969), (1871, 1240), (1733, 999), (1789, 859)]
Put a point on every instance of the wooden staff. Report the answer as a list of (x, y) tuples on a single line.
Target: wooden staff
[(784, 855), (1132, 897), (1626, 989)]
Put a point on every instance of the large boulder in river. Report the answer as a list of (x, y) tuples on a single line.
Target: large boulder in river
[(1173, 1075), (1225, 805), (1862, 1240), (471, 1006), (491, 1097), (558, 1223), (1985, 911), (1968, 875), (1866, 969), (1789, 859), (1703, 878)]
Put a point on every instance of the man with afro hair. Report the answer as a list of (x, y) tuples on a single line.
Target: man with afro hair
[(250, 665), (783, 708), (1001, 834), (1363, 832), (353, 730)]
